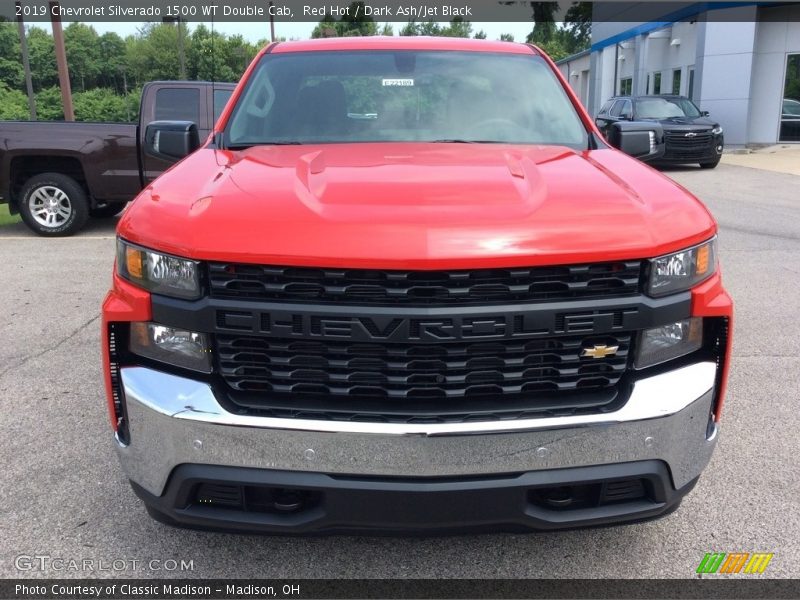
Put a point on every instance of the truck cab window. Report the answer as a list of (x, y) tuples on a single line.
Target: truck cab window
[(221, 98), (177, 104)]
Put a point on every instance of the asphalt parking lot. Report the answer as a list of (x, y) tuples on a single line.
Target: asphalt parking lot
[(62, 493)]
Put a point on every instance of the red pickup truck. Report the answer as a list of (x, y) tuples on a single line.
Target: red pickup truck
[(406, 285)]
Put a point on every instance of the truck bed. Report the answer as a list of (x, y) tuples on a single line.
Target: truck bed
[(107, 152)]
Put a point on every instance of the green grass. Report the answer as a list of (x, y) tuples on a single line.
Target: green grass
[(7, 218)]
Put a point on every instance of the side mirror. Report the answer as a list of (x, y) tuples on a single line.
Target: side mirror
[(704, 113), (171, 140), (638, 138)]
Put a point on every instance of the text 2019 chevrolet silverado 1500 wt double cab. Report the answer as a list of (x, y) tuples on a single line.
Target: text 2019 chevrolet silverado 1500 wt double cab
[(406, 285), (58, 174)]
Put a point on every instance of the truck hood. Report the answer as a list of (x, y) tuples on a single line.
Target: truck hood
[(696, 124), (414, 206)]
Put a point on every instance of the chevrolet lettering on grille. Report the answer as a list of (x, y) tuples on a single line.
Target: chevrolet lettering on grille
[(514, 325)]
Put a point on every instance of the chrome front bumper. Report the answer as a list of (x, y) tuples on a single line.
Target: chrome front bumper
[(175, 420)]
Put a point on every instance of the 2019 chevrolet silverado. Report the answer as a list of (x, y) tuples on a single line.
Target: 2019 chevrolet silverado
[(682, 132), (405, 285), (57, 175)]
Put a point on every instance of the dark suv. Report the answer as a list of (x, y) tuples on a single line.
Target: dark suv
[(689, 135)]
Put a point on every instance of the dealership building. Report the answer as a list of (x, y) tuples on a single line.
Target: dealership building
[(742, 64)]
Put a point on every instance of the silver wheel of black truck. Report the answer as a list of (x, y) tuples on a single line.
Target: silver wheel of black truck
[(53, 204)]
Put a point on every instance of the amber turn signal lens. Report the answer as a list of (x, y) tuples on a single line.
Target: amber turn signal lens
[(133, 262), (702, 259), (138, 334)]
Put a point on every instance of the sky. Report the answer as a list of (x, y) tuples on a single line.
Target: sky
[(253, 31)]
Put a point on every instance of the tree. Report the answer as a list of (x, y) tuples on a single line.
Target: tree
[(578, 21), (238, 53), (48, 104), (113, 65), (458, 27), (99, 104), (325, 28), (11, 72), (560, 42), (429, 28), (13, 103), (506, 37), (544, 25), (348, 25), (42, 56), (153, 54), (410, 28), (209, 57), (481, 35), (360, 25), (83, 54), (387, 30)]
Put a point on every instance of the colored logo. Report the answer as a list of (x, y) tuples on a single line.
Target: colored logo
[(600, 351), (736, 562)]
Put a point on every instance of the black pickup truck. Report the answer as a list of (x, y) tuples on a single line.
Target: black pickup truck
[(58, 174)]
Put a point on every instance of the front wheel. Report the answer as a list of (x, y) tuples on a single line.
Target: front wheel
[(53, 204), (709, 165)]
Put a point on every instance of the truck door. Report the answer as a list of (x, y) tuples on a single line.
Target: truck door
[(172, 103)]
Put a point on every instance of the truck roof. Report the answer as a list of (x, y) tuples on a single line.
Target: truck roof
[(402, 43), (189, 83)]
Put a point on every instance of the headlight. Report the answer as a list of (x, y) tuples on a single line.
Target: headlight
[(682, 270), (177, 347), (660, 344), (717, 130), (158, 273)]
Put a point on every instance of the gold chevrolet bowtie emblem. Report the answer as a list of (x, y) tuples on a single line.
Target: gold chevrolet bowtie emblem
[(600, 351)]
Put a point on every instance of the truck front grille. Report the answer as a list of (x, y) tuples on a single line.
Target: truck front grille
[(424, 288), (408, 381), (679, 146)]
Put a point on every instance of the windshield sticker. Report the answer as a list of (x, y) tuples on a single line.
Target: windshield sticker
[(398, 82)]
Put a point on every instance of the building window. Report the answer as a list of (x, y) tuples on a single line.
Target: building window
[(690, 89), (790, 104), (676, 82), (625, 86), (656, 83)]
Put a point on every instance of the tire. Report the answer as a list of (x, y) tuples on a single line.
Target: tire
[(53, 204), (709, 165), (106, 211)]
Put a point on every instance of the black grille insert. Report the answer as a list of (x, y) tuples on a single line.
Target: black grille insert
[(254, 498), (678, 145), (591, 495), (390, 287), (413, 382)]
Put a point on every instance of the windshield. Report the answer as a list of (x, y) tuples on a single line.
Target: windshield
[(403, 96), (665, 108)]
